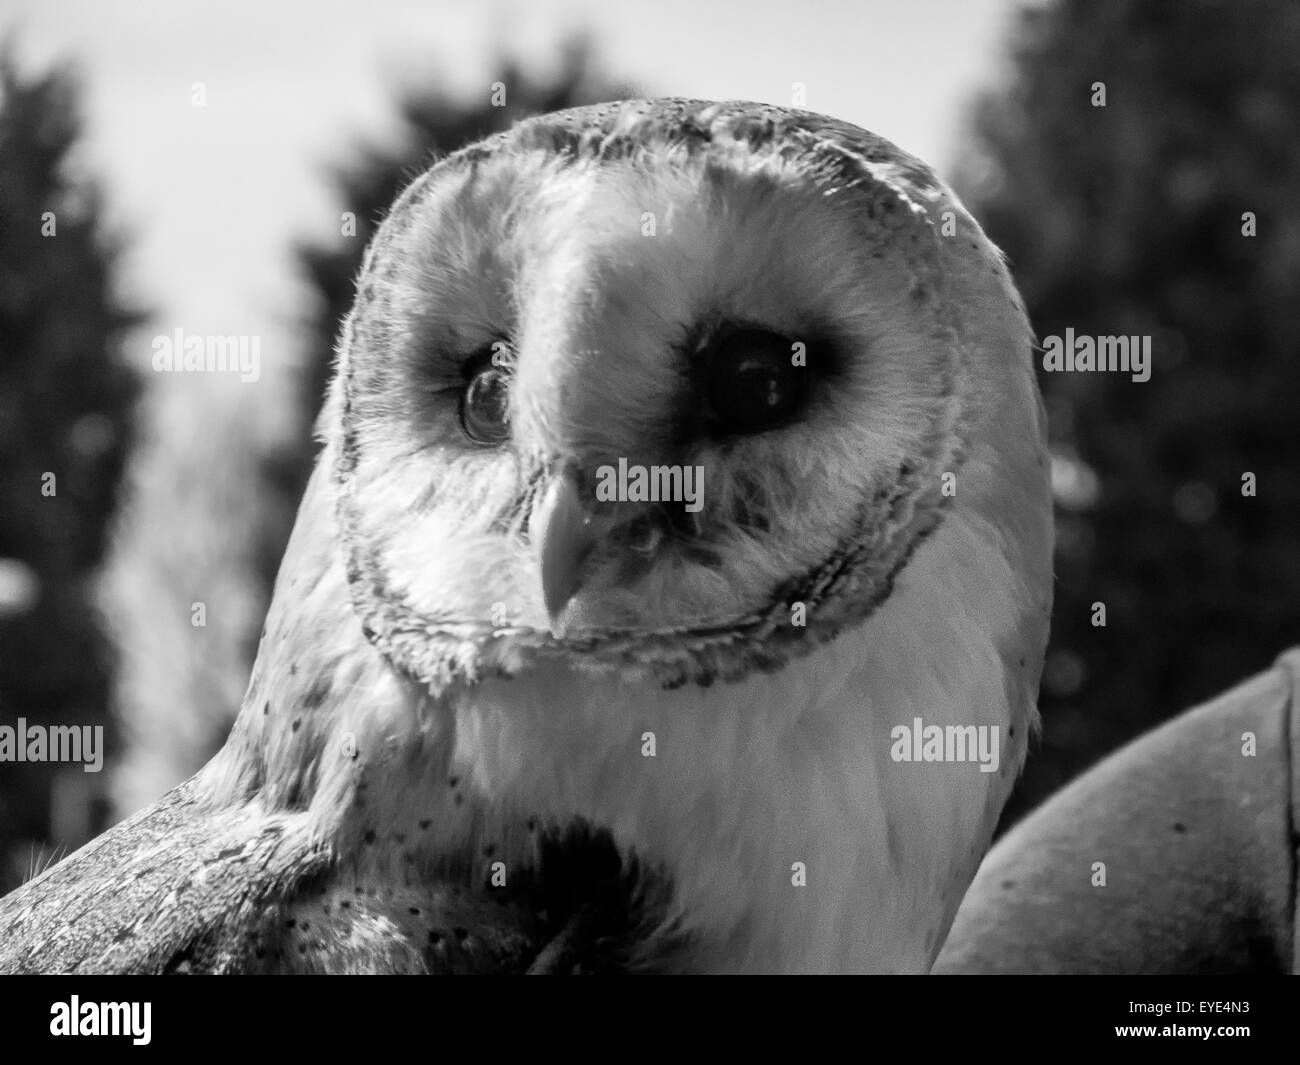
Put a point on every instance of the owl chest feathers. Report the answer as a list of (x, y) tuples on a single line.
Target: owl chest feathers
[(791, 837), (787, 837)]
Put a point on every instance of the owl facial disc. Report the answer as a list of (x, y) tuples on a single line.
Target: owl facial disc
[(618, 284)]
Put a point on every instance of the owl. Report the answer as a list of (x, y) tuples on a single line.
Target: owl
[(682, 479)]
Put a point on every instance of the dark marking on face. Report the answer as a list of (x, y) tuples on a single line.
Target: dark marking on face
[(318, 692), (749, 508)]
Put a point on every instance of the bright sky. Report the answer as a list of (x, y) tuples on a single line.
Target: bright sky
[(213, 197)]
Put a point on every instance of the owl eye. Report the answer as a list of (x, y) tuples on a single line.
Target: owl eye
[(484, 404), (753, 382)]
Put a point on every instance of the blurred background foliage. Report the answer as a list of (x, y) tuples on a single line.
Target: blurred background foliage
[(1123, 219), (66, 404), (1127, 219)]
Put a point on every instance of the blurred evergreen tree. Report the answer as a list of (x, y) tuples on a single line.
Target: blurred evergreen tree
[(66, 403), (1128, 219)]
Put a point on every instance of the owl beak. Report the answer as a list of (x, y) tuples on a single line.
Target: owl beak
[(563, 533)]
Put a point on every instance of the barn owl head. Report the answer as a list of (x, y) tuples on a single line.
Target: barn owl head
[(779, 321)]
